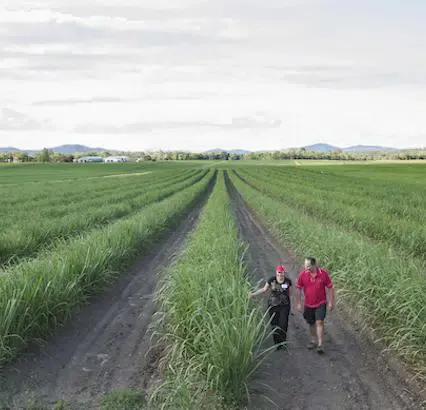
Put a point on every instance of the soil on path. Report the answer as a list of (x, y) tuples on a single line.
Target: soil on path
[(106, 346), (351, 373)]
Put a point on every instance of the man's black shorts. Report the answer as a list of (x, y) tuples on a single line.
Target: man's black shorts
[(311, 315)]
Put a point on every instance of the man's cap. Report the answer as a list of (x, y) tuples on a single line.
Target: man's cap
[(280, 268)]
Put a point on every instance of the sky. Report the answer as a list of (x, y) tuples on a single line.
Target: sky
[(201, 74)]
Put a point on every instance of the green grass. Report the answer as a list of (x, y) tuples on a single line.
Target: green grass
[(404, 173), (24, 233), (31, 401), (391, 213), (210, 333), (58, 193), (42, 293), (386, 287), (365, 222), (124, 400), (42, 173)]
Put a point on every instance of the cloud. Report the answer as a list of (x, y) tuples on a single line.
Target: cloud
[(113, 100), (51, 27), (11, 120), (161, 9), (352, 77), (229, 69), (72, 32), (240, 123), (75, 101)]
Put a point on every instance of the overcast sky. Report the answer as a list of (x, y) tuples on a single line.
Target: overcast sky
[(201, 74)]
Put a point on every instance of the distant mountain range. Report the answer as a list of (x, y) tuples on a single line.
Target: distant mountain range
[(62, 149), (368, 148), (355, 148), (232, 151), (9, 149), (320, 147), (70, 149)]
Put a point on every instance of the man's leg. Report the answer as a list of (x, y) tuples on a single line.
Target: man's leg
[(320, 314), (309, 315), (319, 324), (313, 333)]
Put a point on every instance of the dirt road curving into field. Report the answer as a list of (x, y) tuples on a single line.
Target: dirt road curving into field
[(105, 346), (351, 374)]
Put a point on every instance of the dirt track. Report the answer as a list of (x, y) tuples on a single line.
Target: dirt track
[(104, 347), (349, 376)]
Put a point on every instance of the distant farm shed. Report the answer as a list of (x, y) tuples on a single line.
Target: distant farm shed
[(90, 159), (117, 159)]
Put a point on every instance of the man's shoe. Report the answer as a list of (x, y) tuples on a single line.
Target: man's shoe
[(320, 350), (311, 345)]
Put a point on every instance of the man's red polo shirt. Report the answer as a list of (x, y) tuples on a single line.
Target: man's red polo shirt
[(314, 286)]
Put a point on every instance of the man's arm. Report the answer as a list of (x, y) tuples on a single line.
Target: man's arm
[(299, 286), (332, 298), (330, 290), (298, 298)]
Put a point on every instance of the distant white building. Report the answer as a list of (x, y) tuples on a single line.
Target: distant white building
[(117, 159), (90, 159)]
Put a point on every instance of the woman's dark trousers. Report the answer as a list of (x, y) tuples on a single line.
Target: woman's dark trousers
[(279, 321)]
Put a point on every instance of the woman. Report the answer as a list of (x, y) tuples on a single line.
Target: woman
[(279, 303)]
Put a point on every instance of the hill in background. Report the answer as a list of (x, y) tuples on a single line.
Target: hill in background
[(322, 147), (232, 151), (61, 149)]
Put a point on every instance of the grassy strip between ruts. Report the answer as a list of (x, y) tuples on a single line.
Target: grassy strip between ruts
[(40, 294), (70, 194), (39, 233), (210, 333), (387, 289), (358, 213)]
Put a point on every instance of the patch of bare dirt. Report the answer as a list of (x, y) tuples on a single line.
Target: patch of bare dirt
[(352, 374), (124, 175), (105, 346)]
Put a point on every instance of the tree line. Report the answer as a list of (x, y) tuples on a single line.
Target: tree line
[(46, 155)]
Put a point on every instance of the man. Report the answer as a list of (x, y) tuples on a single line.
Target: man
[(279, 304), (314, 281)]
